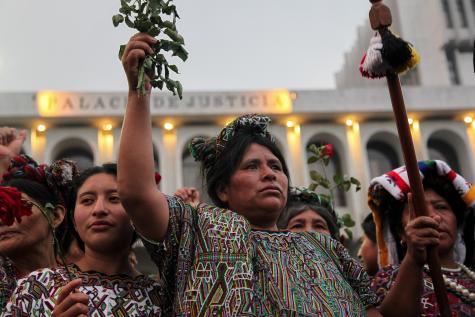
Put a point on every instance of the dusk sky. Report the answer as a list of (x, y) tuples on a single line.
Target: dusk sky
[(232, 45)]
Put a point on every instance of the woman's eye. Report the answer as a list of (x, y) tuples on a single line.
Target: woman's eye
[(86, 201), (114, 199), (276, 167), (251, 166), (297, 226)]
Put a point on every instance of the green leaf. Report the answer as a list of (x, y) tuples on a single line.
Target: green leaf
[(174, 68), (143, 24), (121, 51), (313, 186), (346, 186), (153, 31), (117, 19), (312, 159), (315, 176), (326, 160), (348, 220), (179, 89), (324, 183), (181, 53), (148, 62), (337, 178), (174, 36), (170, 86), (129, 23), (313, 148), (349, 233)]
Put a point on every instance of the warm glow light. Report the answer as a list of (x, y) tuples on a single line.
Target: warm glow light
[(41, 128), (290, 124), (468, 119), (297, 129), (410, 121), (349, 122), (107, 127), (168, 126)]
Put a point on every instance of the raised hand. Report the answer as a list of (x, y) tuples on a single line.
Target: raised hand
[(138, 47), (190, 195)]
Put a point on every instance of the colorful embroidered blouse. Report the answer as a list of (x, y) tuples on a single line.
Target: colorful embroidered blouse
[(213, 264), (385, 278), (118, 295), (7, 281)]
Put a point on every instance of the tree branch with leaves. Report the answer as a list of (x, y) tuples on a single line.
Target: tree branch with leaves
[(157, 18), (322, 155)]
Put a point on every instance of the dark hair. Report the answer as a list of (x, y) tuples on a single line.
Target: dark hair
[(391, 211), (42, 195), (369, 227), (107, 168), (296, 207), (37, 191), (227, 163)]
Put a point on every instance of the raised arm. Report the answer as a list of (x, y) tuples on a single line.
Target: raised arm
[(145, 204)]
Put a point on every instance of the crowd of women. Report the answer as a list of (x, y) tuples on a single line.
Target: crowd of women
[(261, 248)]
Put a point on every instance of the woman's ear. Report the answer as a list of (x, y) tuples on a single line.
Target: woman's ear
[(57, 216), (222, 192)]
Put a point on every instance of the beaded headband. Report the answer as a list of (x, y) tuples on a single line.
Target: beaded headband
[(208, 150), (56, 177)]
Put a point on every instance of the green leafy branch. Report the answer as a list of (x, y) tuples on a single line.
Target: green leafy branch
[(322, 155), (158, 19)]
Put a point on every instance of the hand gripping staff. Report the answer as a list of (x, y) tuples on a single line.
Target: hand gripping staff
[(388, 56)]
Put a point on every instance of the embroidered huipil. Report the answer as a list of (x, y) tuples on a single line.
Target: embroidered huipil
[(7, 280), (213, 264), (116, 295), (386, 277)]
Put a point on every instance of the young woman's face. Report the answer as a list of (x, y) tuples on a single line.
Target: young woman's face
[(448, 225), (31, 233), (258, 188), (99, 217), (368, 254), (308, 220)]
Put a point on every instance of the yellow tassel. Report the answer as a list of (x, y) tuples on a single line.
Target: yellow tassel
[(412, 63)]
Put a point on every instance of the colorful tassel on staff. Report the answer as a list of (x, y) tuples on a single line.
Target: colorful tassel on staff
[(388, 53)]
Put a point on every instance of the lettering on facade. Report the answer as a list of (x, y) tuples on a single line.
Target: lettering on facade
[(52, 104)]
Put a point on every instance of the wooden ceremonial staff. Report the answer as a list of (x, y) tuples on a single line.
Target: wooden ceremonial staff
[(380, 18)]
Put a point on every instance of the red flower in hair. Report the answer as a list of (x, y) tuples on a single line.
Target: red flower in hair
[(12, 206), (328, 150)]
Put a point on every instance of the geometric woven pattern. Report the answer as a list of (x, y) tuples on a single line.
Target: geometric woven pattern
[(213, 264), (386, 277), (7, 280), (117, 296)]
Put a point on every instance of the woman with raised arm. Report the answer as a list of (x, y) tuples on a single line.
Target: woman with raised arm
[(403, 239), (28, 243), (102, 282), (230, 259)]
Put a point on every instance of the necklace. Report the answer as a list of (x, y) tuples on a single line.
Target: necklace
[(459, 290)]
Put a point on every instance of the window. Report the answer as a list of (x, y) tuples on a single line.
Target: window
[(382, 158), (452, 65), (462, 13), (441, 150), (448, 18), (76, 150), (192, 175)]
